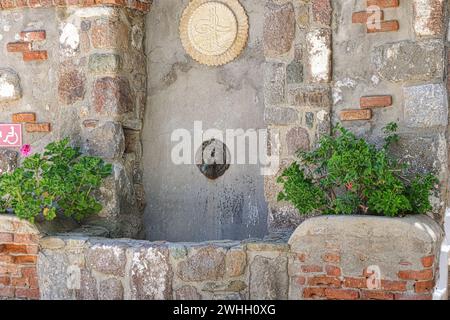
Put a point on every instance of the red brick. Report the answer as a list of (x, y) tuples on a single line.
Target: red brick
[(385, 26), (331, 257), (7, 292), (13, 248), (32, 249), (423, 286), (427, 262), (341, 294), (409, 296), (36, 35), (24, 238), (19, 46), (5, 280), (9, 268), (142, 6), (333, 271), (6, 237), (376, 295), (393, 285), (35, 56), (355, 283), (375, 102), (7, 4), (352, 115), (324, 281), (28, 259), (24, 117), (19, 282), (27, 293), (38, 127), (21, 3), (383, 3), (311, 268), (309, 293), (363, 16), (416, 275)]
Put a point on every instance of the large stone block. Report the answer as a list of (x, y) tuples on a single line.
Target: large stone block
[(207, 263), (279, 29), (280, 116), (71, 86), (268, 278), (319, 55), (410, 61), (428, 17), (274, 83), (105, 63), (10, 88), (112, 96), (310, 96), (150, 273), (426, 106)]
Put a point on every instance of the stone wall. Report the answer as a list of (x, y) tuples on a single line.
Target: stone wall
[(326, 258), (79, 72), (18, 258)]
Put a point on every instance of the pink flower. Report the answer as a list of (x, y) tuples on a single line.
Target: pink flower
[(25, 151)]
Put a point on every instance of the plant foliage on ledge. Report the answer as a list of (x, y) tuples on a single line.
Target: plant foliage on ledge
[(347, 175), (59, 181)]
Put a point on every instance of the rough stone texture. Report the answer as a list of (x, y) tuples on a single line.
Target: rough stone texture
[(104, 63), (310, 96), (150, 273), (112, 96), (274, 83), (10, 88), (280, 116), (187, 293), (268, 278), (279, 29), (426, 106), (319, 54), (297, 139), (106, 141), (413, 61), (71, 86), (428, 17), (8, 160), (108, 259)]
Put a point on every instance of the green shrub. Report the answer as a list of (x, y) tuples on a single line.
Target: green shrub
[(59, 181), (347, 175)]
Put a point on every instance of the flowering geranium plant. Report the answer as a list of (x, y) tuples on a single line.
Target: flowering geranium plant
[(347, 175), (60, 180)]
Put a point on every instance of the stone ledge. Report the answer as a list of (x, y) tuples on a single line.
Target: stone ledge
[(143, 6)]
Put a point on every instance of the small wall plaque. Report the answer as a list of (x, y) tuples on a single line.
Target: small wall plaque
[(214, 32), (10, 135)]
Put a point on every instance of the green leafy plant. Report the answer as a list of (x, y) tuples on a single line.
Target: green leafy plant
[(348, 175), (60, 180)]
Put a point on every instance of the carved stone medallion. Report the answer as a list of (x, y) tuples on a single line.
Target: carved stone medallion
[(214, 32)]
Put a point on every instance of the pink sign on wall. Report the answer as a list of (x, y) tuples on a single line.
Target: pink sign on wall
[(10, 135)]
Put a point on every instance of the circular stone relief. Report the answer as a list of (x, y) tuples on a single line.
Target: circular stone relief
[(214, 32), (213, 159)]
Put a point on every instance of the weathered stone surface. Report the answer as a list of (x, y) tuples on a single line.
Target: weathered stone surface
[(297, 139), (10, 88), (294, 72), (150, 273), (279, 29), (319, 55), (12, 224), (8, 160), (284, 218), (52, 243), (112, 96), (268, 278), (392, 241), (235, 262), (321, 11), (53, 285), (310, 96), (187, 293), (71, 87), (87, 288), (232, 286), (280, 115), (426, 106), (403, 61), (428, 17), (274, 83), (105, 63), (110, 289), (110, 34), (106, 141), (108, 258), (206, 263)]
